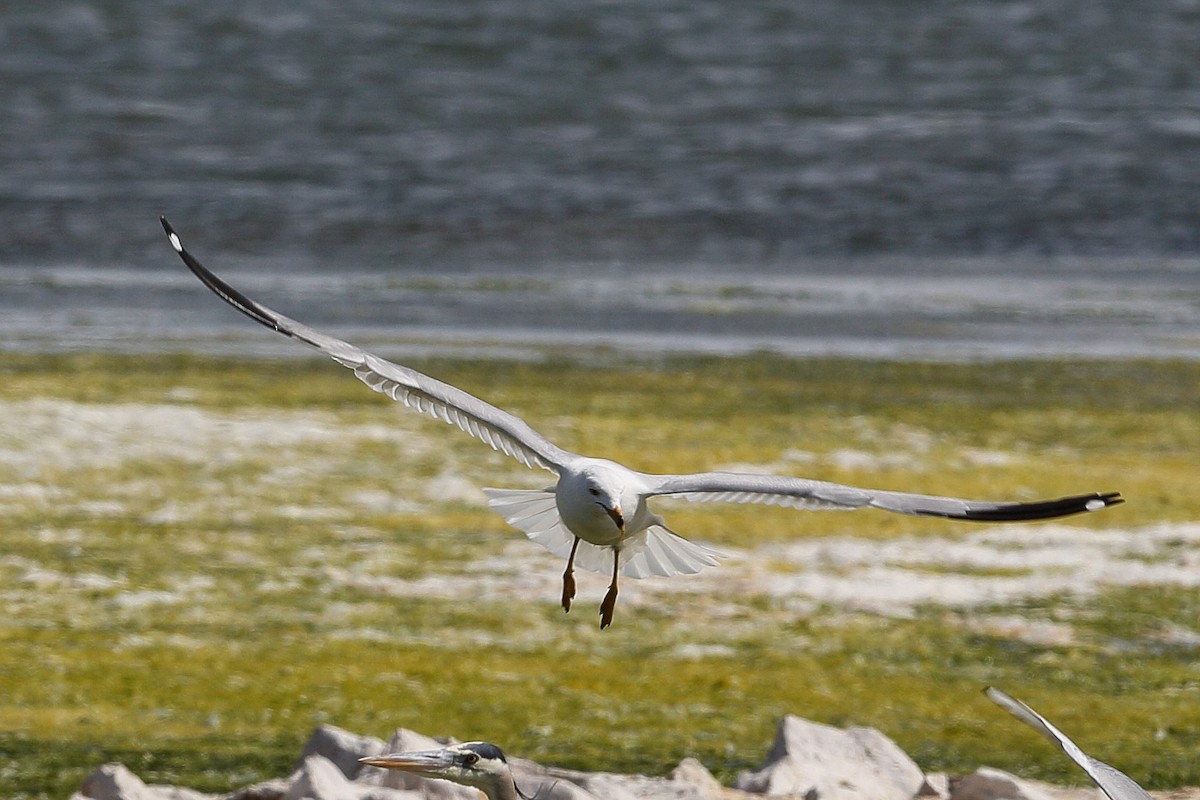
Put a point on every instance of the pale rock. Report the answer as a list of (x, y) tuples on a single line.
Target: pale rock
[(590, 785), (382, 793), (320, 779), (807, 760), (820, 762), (180, 793), (691, 772), (988, 783), (641, 787), (689, 781), (937, 785), (341, 747), (115, 782), (273, 789), (404, 740)]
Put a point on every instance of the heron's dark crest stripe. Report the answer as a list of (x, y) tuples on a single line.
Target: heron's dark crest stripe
[(486, 750)]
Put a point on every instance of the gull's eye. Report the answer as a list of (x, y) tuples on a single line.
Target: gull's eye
[(593, 491)]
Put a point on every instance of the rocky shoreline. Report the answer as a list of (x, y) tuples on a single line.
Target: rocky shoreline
[(807, 760)]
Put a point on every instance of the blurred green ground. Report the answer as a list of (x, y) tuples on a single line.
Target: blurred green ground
[(181, 536)]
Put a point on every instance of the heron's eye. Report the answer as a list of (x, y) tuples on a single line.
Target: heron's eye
[(472, 759)]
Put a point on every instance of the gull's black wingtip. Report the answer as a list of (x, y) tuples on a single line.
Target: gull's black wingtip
[(171, 235), (256, 311), (1102, 500), (1047, 509)]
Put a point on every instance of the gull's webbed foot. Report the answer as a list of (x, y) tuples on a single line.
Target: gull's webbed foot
[(569, 577), (608, 606), (610, 599), (568, 589)]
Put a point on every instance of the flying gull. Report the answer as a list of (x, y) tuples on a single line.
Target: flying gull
[(596, 514)]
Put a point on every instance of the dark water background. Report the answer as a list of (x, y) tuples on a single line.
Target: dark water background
[(884, 177)]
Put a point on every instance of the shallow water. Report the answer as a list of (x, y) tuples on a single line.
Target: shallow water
[(946, 180), (937, 311)]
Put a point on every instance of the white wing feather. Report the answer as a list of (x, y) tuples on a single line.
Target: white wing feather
[(658, 551), (738, 487), (495, 427)]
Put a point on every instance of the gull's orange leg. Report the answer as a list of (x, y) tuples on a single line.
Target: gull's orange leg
[(569, 578), (610, 599)]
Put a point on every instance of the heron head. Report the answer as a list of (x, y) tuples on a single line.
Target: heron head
[(477, 764)]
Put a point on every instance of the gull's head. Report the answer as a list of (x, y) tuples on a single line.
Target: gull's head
[(478, 764), (594, 497), (604, 489)]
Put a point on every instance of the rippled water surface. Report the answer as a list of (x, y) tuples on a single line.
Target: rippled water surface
[(947, 179)]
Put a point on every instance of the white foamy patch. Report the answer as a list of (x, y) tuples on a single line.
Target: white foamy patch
[(128, 601), (16, 562), (309, 513), (100, 508), (698, 651), (182, 394), (998, 566), (385, 585), (49, 535), (194, 583), (1043, 633), (895, 577), (36, 492), (187, 589), (374, 635), (277, 586), (1177, 635), (980, 457), (46, 432), (41, 578), (138, 641), (764, 468), (174, 512), (849, 459), (383, 501), (451, 487), (520, 569), (49, 437), (843, 458)]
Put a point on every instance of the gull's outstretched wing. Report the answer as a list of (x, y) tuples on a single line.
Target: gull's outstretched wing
[(496, 427), (1114, 783), (737, 487)]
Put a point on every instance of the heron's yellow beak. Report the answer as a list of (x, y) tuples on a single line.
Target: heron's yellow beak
[(426, 763)]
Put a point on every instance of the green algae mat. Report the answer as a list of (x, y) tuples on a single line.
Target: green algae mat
[(201, 559)]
